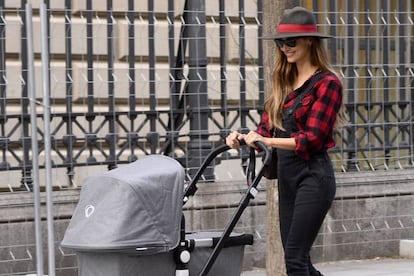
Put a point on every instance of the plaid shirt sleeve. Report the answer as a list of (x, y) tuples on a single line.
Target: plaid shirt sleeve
[(317, 116), (263, 127)]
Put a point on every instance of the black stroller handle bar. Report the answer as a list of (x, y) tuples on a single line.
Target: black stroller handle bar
[(250, 193), (192, 187), (268, 155)]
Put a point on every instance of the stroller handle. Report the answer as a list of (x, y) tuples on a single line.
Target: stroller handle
[(268, 156), (192, 187)]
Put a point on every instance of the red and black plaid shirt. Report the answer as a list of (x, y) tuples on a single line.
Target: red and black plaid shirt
[(315, 117)]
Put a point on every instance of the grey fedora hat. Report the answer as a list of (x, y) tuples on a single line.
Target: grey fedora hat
[(297, 22)]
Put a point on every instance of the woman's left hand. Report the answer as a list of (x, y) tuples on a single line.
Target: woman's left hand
[(253, 137)]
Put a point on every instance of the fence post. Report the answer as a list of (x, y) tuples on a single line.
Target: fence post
[(198, 111), (35, 150), (44, 20)]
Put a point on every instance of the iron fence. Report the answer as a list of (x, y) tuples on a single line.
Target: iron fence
[(132, 78), (371, 50), (181, 118)]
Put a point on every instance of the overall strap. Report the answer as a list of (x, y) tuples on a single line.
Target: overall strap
[(316, 77), (285, 113)]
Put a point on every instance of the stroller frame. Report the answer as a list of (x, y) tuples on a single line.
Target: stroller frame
[(250, 193)]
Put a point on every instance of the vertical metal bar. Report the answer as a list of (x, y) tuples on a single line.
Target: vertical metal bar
[(333, 43), (26, 180), (3, 91), (242, 68), (47, 139), (354, 45), (386, 83), (152, 57), (367, 55), (223, 68), (400, 48), (174, 81), (315, 7), (69, 139), (377, 80), (197, 96), (132, 136), (409, 77), (152, 135), (244, 112), (35, 151), (89, 46), (90, 116), (400, 52), (369, 83), (111, 138), (131, 59), (260, 53), (351, 98), (176, 99)]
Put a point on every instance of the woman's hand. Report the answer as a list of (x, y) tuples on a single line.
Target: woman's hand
[(253, 137), (232, 140)]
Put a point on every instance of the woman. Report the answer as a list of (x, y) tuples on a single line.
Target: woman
[(299, 120)]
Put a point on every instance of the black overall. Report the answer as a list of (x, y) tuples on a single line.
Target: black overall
[(306, 191)]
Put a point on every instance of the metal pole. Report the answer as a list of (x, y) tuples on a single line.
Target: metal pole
[(70, 139), (35, 150), (47, 140), (198, 111), (27, 179)]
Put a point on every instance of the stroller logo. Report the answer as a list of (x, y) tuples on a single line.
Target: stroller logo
[(89, 209)]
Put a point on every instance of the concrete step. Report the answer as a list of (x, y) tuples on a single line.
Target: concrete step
[(407, 248)]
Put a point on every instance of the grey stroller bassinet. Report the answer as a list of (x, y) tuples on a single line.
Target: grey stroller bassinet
[(129, 222)]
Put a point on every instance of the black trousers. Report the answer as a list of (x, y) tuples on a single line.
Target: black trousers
[(306, 191)]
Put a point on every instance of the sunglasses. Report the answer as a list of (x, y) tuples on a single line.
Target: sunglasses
[(290, 42)]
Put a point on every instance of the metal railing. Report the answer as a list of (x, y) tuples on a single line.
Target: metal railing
[(372, 50), (171, 77)]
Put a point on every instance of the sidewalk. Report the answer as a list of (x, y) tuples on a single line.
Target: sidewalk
[(373, 267)]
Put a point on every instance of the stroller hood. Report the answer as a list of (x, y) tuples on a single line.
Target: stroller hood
[(136, 207)]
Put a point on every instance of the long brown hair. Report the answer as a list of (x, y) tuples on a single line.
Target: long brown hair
[(283, 79)]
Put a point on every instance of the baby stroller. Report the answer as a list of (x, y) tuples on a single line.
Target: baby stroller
[(129, 221)]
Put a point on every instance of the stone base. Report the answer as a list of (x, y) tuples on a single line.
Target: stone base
[(407, 248)]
